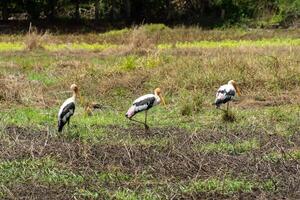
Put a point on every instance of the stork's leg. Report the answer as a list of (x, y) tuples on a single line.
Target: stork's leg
[(227, 106), (144, 123), (136, 121), (146, 126)]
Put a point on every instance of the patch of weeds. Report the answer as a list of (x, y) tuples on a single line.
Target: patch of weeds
[(191, 103), (34, 40), (293, 127), (129, 63), (41, 77), (238, 147), (155, 27), (11, 46), (120, 91), (186, 110), (269, 185), (227, 186), (78, 46), (127, 194), (259, 98), (87, 194), (112, 177), (85, 133), (27, 116), (228, 116), (158, 142), (43, 170), (290, 155), (214, 185), (152, 61), (278, 115), (239, 43), (116, 32)]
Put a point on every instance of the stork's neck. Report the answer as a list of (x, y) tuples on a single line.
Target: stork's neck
[(74, 95), (157, 97)]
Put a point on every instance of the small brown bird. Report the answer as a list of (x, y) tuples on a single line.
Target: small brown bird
[(90, 107)]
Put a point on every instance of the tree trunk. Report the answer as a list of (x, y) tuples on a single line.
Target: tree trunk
[(5, 11), (128, 10), (168, 10), (223, 14), (97, 11), (52, 13), (77, 14), (113, 9)]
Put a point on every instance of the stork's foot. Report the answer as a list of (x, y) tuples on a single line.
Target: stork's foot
[(146, 127)]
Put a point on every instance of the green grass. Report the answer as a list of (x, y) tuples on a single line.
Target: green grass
[(126, 194), (33, 84), (226, 186), (42, 78), (78, 46), (16, 46), (43, 170), (238, 147), (233, 43), (289, 155), (83, 126), (11, 46)]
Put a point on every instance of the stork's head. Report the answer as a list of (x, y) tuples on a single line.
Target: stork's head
[(236, 87), (157, 92), (74, 88)]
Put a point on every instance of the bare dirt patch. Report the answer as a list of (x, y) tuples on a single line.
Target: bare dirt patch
[(175, 162)]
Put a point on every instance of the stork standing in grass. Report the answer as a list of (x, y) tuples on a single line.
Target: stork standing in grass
[(226, 93), (144, 103), (67, 109)]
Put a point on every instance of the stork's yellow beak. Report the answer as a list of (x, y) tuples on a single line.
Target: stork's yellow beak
[(162, 99), (81, 99), (238, 90)]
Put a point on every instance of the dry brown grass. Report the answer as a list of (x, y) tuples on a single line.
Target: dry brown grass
[(17, 89), (268, 73), (139, 41), (35, 40)]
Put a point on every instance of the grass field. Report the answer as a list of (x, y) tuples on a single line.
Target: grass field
[(191, 152)]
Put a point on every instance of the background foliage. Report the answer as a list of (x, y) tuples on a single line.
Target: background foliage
[(203, 12)]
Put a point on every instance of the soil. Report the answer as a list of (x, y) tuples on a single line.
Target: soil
[(176, 162)]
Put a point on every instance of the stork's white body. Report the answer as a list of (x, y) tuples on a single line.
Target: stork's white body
[(65, 112), (225, 94), (66, 102), (143, 103)]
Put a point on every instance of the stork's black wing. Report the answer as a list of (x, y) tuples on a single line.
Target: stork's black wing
[(65, 115), (144, 104)]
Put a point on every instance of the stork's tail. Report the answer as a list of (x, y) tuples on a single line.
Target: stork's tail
[(60, 126)]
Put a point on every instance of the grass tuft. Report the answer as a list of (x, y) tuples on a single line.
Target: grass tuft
[(225, 186), (34, 40), (228, 116), (237, 147)]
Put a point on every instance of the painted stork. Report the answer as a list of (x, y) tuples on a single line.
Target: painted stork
[(144, 103), (67, 109), (226, 93)]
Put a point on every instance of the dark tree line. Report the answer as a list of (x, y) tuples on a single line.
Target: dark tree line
[(137, 11)]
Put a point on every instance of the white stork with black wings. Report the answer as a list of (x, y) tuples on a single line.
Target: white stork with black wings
[(144, 103), (67, 109), (226, 93)]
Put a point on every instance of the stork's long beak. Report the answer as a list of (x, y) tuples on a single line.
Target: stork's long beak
[(81, 99), (162, 99), (238, 90)]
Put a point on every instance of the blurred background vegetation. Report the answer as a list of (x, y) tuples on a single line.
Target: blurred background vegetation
[(105, 13)]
